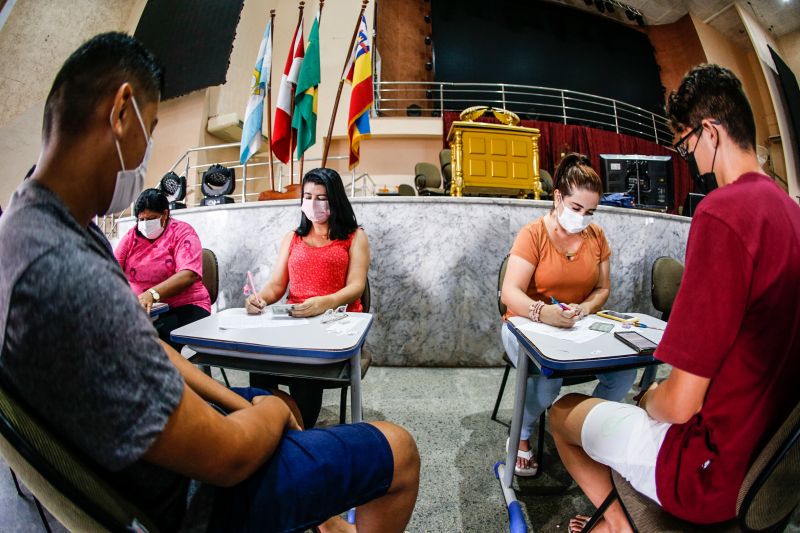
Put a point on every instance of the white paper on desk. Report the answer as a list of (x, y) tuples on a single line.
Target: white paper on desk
[(578, 333), (238, 318), (345, 326)]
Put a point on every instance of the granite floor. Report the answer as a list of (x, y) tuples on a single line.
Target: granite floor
[(447, 411)]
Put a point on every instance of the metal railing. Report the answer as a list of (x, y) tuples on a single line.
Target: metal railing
[(527, 101), (188, 165)]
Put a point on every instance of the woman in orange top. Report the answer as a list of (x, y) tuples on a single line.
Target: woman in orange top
[(565, 256)]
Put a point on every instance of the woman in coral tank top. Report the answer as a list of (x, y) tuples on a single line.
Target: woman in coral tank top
[(323, 263)]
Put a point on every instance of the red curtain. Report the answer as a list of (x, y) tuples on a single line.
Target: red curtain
[(557, 138)]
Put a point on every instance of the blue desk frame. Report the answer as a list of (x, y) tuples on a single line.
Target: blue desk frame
[(551, 368)]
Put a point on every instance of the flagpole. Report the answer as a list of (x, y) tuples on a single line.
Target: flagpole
[(269, 98), (341, 83), (319, 25), (291, 114)]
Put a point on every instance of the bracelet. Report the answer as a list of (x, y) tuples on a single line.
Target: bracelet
[(535, 310)]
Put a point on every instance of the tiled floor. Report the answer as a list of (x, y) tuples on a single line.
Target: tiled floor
[(447, 411)]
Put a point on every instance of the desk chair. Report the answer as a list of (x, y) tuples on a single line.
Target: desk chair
[(666, 280), (567, 380), (428, 180), (404, 189), (445, 161), (767, 498), (547, 183), (211, 283), (326, 376), (60, 478)]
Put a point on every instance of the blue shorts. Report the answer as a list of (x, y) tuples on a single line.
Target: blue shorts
[(312, 476)]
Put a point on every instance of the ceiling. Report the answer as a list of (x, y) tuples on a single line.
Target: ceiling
[(779, 17)]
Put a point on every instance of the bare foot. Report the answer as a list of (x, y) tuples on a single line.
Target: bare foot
[(336, 524), (522, 464), (577, 524)]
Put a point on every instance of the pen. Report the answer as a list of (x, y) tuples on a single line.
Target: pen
[(253, 287), (565, 307)]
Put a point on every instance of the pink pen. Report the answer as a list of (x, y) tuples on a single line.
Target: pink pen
[(253, 287)]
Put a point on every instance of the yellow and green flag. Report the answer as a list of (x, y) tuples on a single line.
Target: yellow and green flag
[(305, 100)]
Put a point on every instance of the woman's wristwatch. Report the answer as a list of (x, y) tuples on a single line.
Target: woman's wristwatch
[(154, 293)]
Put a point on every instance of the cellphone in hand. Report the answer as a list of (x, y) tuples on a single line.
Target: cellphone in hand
[(638, 342), (619, 317), (281, 309)]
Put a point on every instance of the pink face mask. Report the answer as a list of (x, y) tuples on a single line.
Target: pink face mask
[(316, 210)]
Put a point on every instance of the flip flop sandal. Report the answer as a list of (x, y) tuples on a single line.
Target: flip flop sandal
[(528, 456), (577, 524)]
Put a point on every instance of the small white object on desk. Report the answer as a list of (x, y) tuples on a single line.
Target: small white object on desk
[(579, 333), (238, 318), (349, 325)]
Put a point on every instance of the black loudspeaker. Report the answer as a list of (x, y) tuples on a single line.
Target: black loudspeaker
[(648, 178)]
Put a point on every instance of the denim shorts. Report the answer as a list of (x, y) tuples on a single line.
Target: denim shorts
[(312, 476)]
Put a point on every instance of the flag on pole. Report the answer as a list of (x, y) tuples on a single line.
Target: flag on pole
[(254, 114), (360, 78), (282, 131), (304, 119)]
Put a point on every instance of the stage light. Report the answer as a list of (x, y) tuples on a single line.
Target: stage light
[(429, 65), (428, 18), (600, 5), (218, 181), (609, 7), (427, 39), (413, 110), (630, 14), (639, 20), (174, 188)]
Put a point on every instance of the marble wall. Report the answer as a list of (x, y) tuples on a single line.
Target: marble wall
[(434, 265)]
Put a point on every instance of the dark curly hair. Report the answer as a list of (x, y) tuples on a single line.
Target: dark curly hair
[(575, 172), (342, 221), (712, 91)]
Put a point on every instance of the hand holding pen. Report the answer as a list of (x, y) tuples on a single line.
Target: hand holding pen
[(254, 304)]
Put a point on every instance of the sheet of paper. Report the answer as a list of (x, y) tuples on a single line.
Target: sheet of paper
[(237, 318), (578, 333), (345, 326)]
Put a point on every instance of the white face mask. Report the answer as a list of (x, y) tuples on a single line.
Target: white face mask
[(129, 182), (572, 221), (151, 229), (318, 211)]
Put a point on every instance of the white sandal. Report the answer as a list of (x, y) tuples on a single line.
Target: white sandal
[(528, 456)]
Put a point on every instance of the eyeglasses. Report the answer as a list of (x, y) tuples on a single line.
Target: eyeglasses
[(680, 145)]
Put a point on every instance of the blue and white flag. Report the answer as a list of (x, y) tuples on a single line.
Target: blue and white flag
[(254, 115)]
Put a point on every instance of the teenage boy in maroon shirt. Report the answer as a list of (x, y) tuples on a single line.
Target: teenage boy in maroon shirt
[(733, 337)]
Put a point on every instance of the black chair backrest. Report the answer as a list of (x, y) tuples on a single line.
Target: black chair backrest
[(404, 189), (500, 277), (211, 274), (366, 298), (665, 282), (771, 488)]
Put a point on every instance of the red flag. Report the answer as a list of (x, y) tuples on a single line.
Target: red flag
[(282, 131)]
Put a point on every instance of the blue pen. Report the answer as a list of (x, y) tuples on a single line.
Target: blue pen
[(562, 306)]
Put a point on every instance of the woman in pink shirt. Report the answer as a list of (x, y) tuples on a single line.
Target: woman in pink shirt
[(323, 263), (163, 261)]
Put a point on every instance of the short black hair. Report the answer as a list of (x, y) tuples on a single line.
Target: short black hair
[(99, 66), (151, 199), (712, 91), (342, 222)]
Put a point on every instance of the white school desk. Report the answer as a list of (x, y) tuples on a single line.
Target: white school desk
[(560, 358), (158, 308), (308, 350)]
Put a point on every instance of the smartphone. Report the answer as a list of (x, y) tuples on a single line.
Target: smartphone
[(640, 343), (281, 309), (605, 327), (619, 317)]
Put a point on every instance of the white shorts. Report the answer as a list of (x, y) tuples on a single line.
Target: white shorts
[(625, 438)]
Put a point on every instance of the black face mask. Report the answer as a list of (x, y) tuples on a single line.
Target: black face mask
[(705, 182)]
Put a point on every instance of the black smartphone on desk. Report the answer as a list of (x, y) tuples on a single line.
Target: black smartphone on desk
[(638, 342)]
